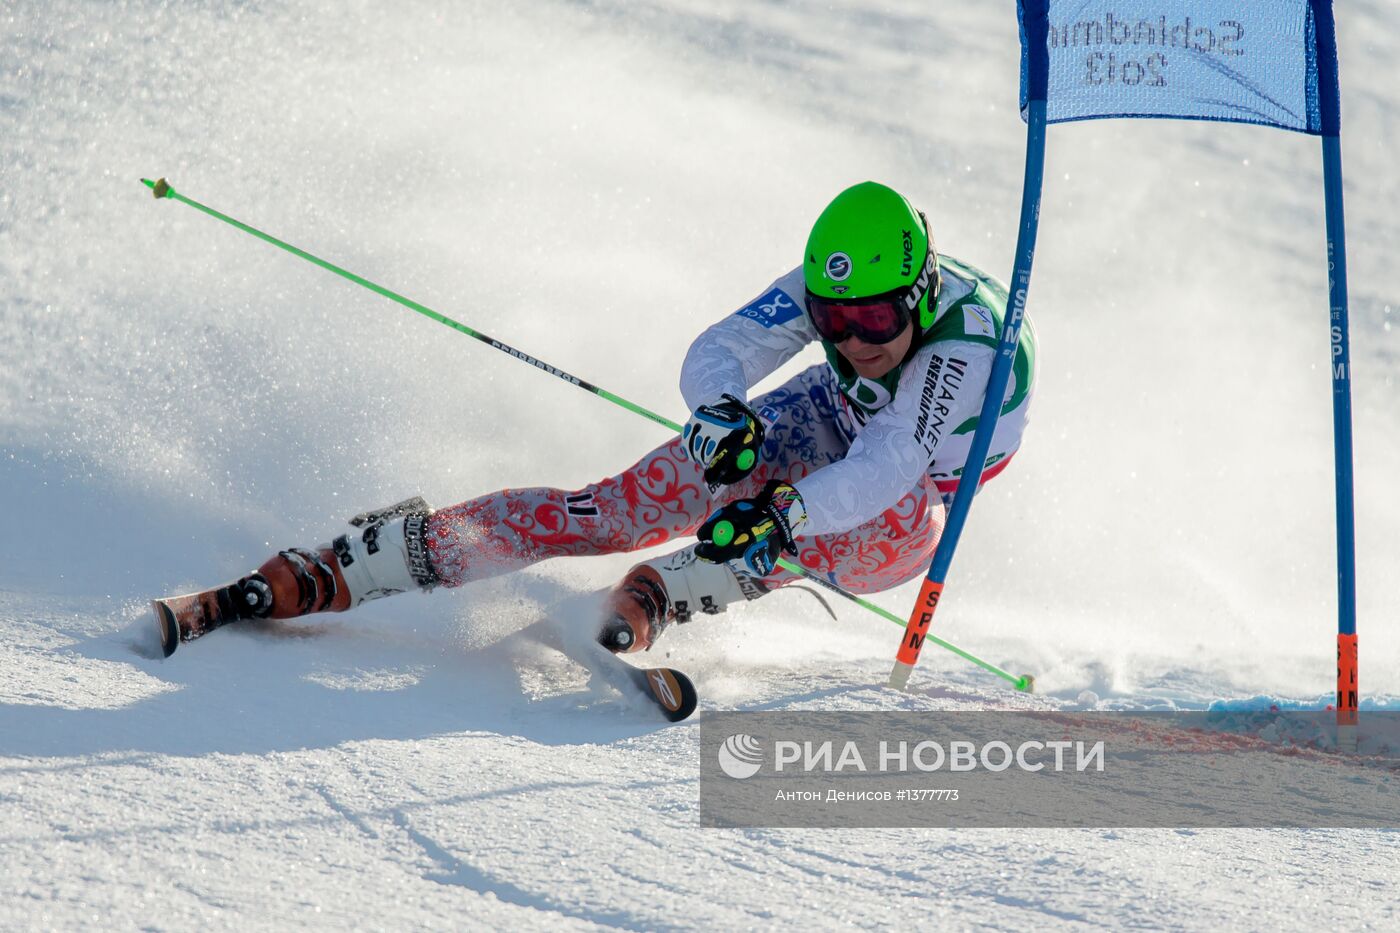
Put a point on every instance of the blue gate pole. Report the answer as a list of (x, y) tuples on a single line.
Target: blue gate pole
[(1329, 100), (1348, 692), (1036, 24)]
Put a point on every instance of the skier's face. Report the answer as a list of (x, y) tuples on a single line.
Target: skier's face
[(873, 360)]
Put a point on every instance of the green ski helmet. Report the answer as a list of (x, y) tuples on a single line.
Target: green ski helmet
[(871, 267)]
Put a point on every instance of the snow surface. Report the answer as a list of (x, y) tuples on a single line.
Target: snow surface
[(595, 182)]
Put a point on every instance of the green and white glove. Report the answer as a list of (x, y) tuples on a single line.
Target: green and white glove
[(756, 530)]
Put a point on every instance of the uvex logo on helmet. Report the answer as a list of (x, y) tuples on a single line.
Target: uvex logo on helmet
[(917, 291), (838, 267), (908, 253)]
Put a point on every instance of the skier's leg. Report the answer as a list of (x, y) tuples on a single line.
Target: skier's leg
[(656, 499), (384, 552), (883, 553), (410, 546)]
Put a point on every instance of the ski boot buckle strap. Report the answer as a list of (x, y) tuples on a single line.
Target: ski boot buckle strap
[(315, 580)]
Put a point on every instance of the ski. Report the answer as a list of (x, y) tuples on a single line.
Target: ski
[(166, 626), (185, 618), (181, 619), (667, 687), (670, 690)]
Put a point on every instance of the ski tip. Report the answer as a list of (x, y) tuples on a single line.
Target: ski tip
[(167, 626), (673, 692)]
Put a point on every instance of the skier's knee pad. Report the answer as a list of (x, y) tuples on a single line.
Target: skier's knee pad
[(386, 553)]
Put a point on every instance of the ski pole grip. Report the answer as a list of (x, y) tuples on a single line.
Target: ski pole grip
[(914, 631)]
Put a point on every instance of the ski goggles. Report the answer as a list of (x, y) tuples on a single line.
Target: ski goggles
[(878, 319)]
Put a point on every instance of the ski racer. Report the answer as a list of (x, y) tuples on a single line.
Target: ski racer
[(847, 467)]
